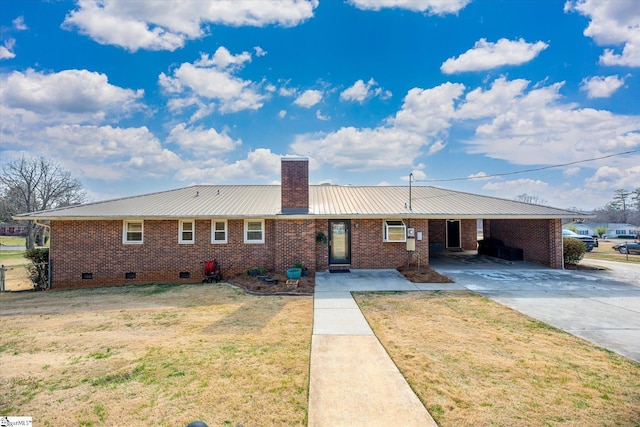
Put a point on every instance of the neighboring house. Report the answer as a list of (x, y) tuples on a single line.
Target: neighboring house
[(614, 230), (166, 236), (12, 229)]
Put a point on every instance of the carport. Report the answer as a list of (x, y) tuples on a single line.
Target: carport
[(536, 239)]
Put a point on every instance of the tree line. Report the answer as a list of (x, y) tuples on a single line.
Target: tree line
[(32, 184), (624, 208)]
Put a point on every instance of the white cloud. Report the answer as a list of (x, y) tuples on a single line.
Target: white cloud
[(282, 114), (611, 178), (613, 23), (210, 82), (498, 99), (70, 96), (478, 176), (259, 51), (6, 51), (418, 175), (259, 164), (222, 59), (510, 189), (487, 55), (101, 152), (309, 98), (435, 147), (321, 116), (432, 7), (601, 87), (428, 111), (573, 171), (165, 25), (201, 142), (19, 24), (538, 129), (361, 149), (360, 91)]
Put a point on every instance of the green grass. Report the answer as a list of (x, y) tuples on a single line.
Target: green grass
[(13, 256), (632, 259), (12, 240)]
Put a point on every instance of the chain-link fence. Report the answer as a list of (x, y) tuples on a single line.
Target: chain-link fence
[(18, 277)]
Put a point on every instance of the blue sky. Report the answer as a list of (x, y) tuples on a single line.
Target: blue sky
[(135, 97)]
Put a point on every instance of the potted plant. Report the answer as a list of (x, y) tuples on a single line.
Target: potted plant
[(301, 266), (294, 273)]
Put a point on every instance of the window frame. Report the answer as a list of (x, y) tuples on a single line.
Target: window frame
[(181, 231), (213, 231), (386, 225), (125, 232), (247, 231)]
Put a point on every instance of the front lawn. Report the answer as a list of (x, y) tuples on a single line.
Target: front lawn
[(473, 362), (160, 355)]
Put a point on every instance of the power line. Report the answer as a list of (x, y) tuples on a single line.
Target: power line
[(468, 178)]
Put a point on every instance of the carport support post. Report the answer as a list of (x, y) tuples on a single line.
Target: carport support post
[(2, 270)]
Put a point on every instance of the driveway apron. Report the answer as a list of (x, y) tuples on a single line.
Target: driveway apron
[(353, 381)]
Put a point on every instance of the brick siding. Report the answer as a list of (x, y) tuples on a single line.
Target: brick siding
[(295, 186), (468, 230), (96, 247), (540, 239)]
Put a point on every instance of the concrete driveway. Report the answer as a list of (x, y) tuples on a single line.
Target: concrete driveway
[(600, 306)]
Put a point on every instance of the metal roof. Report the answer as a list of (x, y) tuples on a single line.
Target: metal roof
[(325, 201)]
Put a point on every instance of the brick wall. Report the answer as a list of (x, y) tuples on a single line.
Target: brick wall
[(540, 239), (468, 230), (96, 247), (296, 242), (295, 186)]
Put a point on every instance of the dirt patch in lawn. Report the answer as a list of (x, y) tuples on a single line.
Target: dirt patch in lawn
[(417, 274), (161, 355), (473, 362)]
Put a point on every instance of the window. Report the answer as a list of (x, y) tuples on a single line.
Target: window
[(583, 232), (254, 231), (395, 231), (219, 231), (620, 232), (132, 232), (186, 231)]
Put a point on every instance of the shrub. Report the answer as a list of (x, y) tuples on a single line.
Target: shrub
[(573, 250), (39, 267)]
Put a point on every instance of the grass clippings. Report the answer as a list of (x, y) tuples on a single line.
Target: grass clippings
[(474, 362), (157, 355)]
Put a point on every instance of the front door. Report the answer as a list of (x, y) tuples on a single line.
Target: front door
[(339, 242), (453, 233)]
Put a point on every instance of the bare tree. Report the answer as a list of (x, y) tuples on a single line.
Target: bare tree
[(620, 201), (35, 184), (536, 200)]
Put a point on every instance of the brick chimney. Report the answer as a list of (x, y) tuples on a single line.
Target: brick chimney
[(295, 186)]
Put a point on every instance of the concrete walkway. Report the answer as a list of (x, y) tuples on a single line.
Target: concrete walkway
[(353, 381)]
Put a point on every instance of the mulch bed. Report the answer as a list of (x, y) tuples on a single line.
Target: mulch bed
[(253, 285), (306, 284), (423, 275)]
